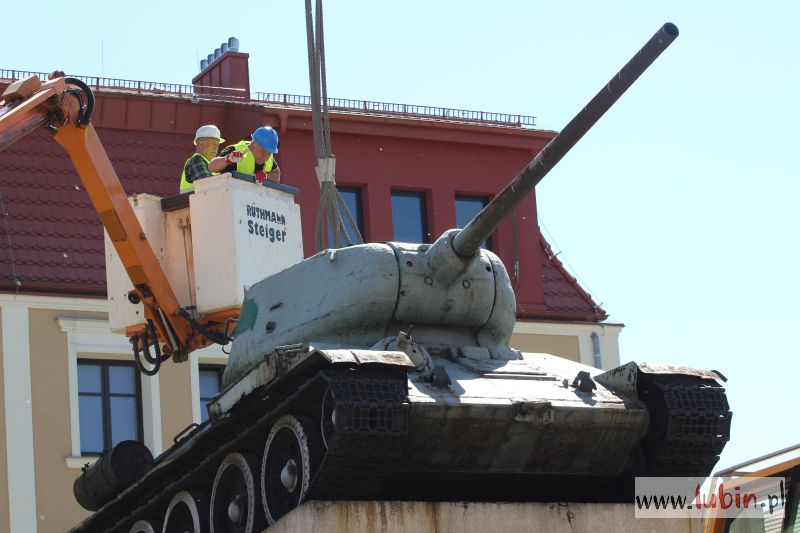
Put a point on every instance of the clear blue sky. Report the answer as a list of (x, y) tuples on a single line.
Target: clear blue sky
[(678, 210)]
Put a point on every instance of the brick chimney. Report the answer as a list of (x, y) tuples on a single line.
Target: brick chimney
[(226, 68)]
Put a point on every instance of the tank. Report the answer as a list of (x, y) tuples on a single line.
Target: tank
[(384, 371)]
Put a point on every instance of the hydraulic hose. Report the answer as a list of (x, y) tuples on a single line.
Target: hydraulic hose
[(144, 350), (217, 338), (88, 109)]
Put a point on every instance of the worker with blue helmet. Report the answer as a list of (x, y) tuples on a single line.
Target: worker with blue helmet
[(256, 156)]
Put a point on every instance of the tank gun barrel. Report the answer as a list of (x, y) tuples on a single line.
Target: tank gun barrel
[(467, 242)]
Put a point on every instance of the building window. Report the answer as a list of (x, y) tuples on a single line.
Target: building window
[(210, 380), (352, 199), (109, 403), (466, 209), (409, 217)]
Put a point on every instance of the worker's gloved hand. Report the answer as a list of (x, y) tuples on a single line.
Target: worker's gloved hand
[(234, 157), (261, 176)]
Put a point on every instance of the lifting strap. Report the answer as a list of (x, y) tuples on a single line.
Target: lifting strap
[(331, 204)]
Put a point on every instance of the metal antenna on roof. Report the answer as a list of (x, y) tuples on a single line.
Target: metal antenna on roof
[(331, 204)]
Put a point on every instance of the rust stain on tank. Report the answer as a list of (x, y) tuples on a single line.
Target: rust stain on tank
[(397, 515), (343, 516), (432, 511), (384, 518), (372, 517)]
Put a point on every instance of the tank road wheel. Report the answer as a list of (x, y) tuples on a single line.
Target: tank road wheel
[(327, 420), (187, 512), (236, 495), (290, 457), (146, 526)]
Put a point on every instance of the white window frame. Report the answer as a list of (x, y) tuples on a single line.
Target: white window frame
[(89, 338), (211, 355)]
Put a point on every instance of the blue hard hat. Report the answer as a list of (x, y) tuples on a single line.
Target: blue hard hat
[(267, 138)]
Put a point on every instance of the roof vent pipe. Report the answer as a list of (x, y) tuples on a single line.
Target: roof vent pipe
[(210, 58), (224, 47), (233, 44), (217, 53), (203, 64)]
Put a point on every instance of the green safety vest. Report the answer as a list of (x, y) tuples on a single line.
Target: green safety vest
[(185, 185), (248, 163)]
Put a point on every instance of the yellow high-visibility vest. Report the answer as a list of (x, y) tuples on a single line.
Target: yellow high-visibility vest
[(248, 163), (185, 185)]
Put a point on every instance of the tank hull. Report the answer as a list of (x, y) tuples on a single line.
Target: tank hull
[(519, 418)]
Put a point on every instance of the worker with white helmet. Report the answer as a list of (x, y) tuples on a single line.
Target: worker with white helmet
[(207, 140), (256, 156)]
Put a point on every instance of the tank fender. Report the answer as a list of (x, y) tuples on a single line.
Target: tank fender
[(285, 359), (624, 379), (361, 357), (689, 416)]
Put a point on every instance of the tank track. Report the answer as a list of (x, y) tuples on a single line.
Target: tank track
[(371, 420), (372, 416), (690, 423)]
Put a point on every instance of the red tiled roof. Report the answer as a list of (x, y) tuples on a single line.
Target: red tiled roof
[(562, 293)]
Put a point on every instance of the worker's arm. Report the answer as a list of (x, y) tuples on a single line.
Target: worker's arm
[(275, 173), (217, 165), (228, 157)]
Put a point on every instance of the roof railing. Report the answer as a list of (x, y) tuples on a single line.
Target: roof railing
[(388, 108), (290, 100), (142, 87)]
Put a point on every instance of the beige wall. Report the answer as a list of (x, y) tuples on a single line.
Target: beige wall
[(56, 508), (565, 346), (583, 342), (5, 523)]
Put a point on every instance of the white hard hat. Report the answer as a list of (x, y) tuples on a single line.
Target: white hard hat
[(209, 131)]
